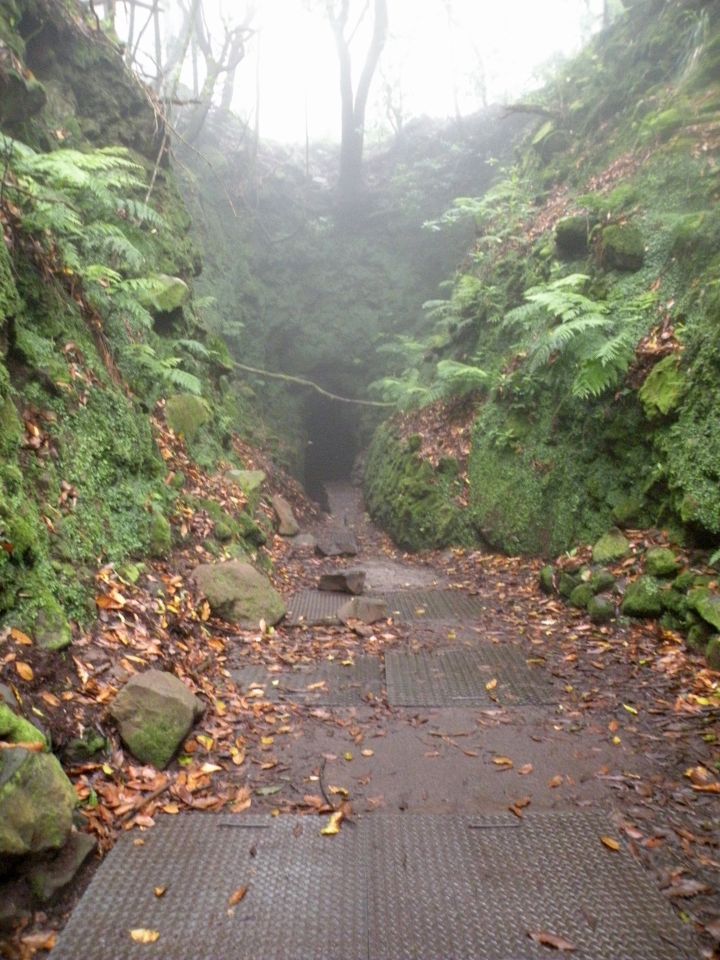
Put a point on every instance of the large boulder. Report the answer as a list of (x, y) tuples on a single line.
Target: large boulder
[(661, 562), (154, 712), (36, 802), (622, 247), (186, 414), (707, 603), (287, 524), (337, 544), (238, 593)]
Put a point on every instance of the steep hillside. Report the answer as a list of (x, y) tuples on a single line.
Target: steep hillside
[(584, 320), (99, 339)]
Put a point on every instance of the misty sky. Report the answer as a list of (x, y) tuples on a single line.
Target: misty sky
[(435, 59)]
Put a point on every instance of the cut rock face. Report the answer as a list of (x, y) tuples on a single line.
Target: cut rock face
[(366, 609), (154, 712), (287, 524), (238, 593), (343, 581)]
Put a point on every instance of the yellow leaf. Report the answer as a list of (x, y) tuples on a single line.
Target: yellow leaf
[(24, 670), (267, 741), (107, 769), (610, 843), (348, 756), (20, 637), (172, 809), (617, 741), (145, 936), (205, 741), (503, 761), (339, 791), (159, 891), (491, 684), (347, 663), (630, 709), (333, 824)]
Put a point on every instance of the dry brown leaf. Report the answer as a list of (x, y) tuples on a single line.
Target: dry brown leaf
[(503, 762), (525, 769), (610, 842), (160, 891), (555, 782), (42, 940), (551, 940), (238, 895), (687, 887)]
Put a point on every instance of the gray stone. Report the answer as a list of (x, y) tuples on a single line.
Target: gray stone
[(49, 877), (238, 593), (287, 524), (337, 545), (36, 803), (8, 697), (303, 543), (154, 712), (601, 608), (249, 481), (366, 609), (343, 581)]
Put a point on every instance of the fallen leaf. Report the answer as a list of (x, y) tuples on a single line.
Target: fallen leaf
[(160, 891), (503, 762), (268, 791), (551, 940), (141, 935), (238, 895), (210, 768), (368, 753), (347, 756), (42, 940), (491, 684), (19, 637), (333, 825), (630, 709), (24, 670), (555, 782), (525, 769), (610, 843), (687, 887)]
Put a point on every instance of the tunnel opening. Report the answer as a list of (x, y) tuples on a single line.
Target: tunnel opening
[(332, 444)]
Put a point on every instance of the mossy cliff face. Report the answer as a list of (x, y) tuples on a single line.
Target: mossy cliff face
[(81, 479), (627, 197)]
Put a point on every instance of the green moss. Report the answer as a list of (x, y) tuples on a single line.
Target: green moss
[(581, 596), (622, 247), (187, 414), (663, 387), (160, 535), (547, 580), (643, 598), (611, 547), (661, 562), (412, 501), (601, 580), (16, 729)]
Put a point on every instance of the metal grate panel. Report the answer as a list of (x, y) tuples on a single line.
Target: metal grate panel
[(458, 677), (321, 606), (399, 887), (341, 685), (306, 897)]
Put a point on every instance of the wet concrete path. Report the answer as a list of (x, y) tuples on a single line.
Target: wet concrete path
[(485, 826)]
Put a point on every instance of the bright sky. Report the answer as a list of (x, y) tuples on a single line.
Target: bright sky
[(434, 61), (434, 58)]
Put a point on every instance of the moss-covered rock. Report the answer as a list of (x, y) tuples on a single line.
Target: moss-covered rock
[(16, 729), (611, 547), (546, 579), (580, 596), (643, 598), (622, 247), (567, 583), (571, 237), (52, 630), (160, 535), (36, 803), (154, 712), (186, 414), (601, 580), (698, 636), (712, 653), (684, 581), (707, 604), (663, 387), (661, 562), (166, 293), (237, 592), (250, 482), (601, 608)]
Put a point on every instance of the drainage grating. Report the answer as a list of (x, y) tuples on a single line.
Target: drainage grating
[(434, 605), (320, 606), (387, 888), (331, 684), (457, 678)]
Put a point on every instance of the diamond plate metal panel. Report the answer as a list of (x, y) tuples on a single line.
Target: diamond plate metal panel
[(321, 606), (434, 605), (341, 685), (306, 899), (458, 677), (474, 888)]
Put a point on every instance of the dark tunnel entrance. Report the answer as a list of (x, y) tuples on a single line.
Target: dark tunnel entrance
[(332, 444)]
